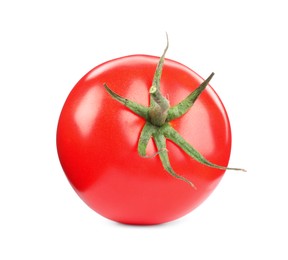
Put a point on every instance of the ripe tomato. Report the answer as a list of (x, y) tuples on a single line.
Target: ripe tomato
[(97, 142)]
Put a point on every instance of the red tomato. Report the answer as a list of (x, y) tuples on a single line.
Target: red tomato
[(97, 142)]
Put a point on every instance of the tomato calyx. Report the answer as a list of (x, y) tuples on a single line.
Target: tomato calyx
[(157, 117), (159, 105)]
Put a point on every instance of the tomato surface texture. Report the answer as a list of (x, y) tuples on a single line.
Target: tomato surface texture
[(97, 142)]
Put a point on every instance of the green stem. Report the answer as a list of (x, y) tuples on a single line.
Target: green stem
[(146, 134), (157, 116), (159, 105), (160, 141), (133, 106), (184, 106), (158, 71), (170, 133)]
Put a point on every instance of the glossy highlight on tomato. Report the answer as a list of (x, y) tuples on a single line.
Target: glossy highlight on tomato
[(97, 140)]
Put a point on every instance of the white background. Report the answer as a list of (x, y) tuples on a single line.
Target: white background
[(47, 46)]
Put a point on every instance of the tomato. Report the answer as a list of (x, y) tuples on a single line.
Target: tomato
[(97, 140)]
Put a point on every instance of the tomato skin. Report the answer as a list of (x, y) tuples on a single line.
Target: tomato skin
[(97, 143)]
